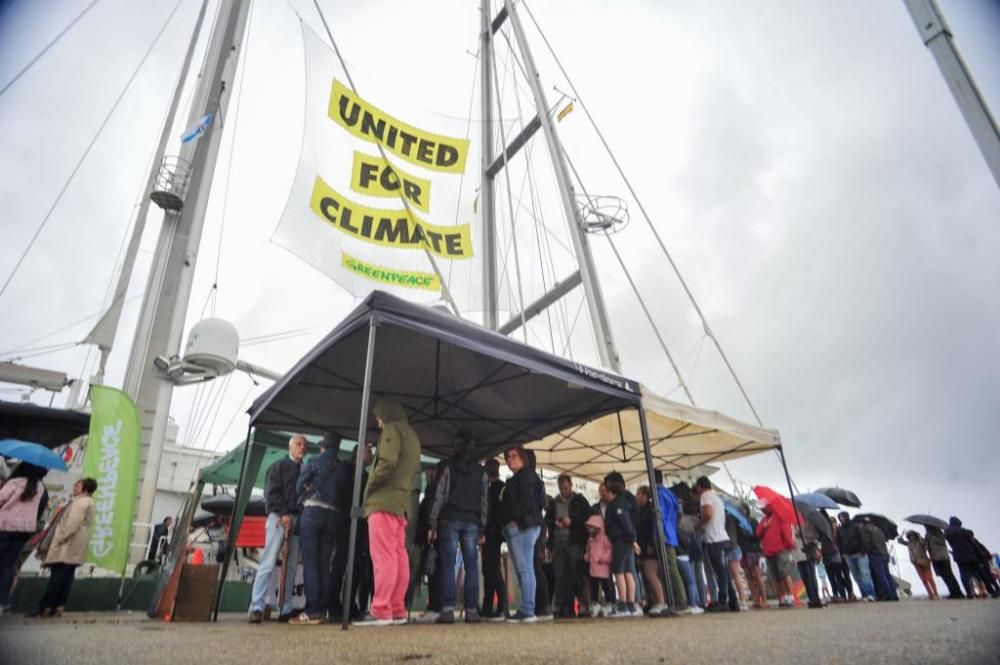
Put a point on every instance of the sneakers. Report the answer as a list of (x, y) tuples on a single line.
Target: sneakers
[(596, 610), (303, 619), (256, 617), (369, 620), (636, 611), (496, 617), (545, 617), (521, 617), (429, 616), (400, 621), (472, 616), (695, 610), (448, 616), (716, 607), (620, 612), (869, 599)]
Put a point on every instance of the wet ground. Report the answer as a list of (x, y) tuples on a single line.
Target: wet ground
[(914, 631)]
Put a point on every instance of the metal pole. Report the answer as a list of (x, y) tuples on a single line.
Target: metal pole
[(791, 492), (359, 459), (486, 193), (234, 524), (936, 34), (595, 298), (165, 305), (661, 537)]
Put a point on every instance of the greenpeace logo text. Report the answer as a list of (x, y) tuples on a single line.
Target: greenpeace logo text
[(102, 541)]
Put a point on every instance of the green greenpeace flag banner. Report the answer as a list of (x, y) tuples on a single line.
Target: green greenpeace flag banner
[(112, 459)]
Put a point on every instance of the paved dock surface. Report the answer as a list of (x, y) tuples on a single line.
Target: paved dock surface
[(914, 631)]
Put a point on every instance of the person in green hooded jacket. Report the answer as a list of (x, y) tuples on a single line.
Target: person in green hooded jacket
[(387, 500)]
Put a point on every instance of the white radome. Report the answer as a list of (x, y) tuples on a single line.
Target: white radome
[(213, 344)]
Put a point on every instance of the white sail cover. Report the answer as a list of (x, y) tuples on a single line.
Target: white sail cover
[(345, 213), (681, 437)]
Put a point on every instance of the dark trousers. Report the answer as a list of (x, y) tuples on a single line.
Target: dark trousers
[(317, 537), (598, 583), (11, 544), (566, 558), (494, 585), (542, 597), (840, 581), (60, 584), (717, 557), (885, 586), (987, 576), (363, 581), (807, 571), (943, 570)]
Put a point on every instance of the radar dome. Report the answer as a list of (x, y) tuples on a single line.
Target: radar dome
[(213, 344)]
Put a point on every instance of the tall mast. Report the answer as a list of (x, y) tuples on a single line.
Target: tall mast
[(103, 334), (486, 192), (165, 304), (595, 299)]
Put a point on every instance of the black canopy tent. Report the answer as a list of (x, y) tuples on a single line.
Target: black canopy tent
[(451, 375)]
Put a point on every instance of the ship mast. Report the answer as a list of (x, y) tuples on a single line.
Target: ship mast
[(587, 274), (188, 181)]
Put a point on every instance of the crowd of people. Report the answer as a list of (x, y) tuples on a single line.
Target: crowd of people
[(570, 558)]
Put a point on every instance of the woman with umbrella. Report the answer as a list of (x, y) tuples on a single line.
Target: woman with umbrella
[(68, 548), (23, 500)]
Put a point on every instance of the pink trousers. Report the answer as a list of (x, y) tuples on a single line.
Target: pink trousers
[(391, 564)]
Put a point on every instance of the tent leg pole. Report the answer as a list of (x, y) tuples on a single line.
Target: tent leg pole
[(791, 492), (661, 543), (233, 527), (359, 462)]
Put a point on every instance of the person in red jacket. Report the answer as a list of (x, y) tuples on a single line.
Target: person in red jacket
[(776, 543)]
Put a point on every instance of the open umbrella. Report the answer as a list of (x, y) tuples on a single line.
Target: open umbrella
[(881, 521), (927, 520), (841, 496), (32, 453), (781, 505), (816, 500), (738, 515), (817, 519)]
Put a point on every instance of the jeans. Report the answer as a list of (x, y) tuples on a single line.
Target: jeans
[(60, 584), (566, 557), (698, 567), (317, 536), (694, 599), (716, 553), (274, 537), (391, 564), (521, 544), (862, 574), (880, 569), (675, 584), (840, 583), (11, 544), (452, 534), (494, 585), (943, 570)]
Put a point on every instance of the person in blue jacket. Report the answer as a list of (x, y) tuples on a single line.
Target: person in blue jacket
[(670, 513)]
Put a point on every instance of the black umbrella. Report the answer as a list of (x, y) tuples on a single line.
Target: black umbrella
[(817, 519), (927, 520), (841, 496), (881, 521)]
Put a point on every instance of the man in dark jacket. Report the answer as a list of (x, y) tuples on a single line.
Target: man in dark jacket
[(878, 559), (458, 516), (851, 543), (567, 540), (494, 585), (280, 500), (317, 492), (964, 549), (937, 548)]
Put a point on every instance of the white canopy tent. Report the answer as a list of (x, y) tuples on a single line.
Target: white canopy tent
[(681, 437)]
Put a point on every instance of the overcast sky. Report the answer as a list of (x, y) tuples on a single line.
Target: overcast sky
[(804, 162)]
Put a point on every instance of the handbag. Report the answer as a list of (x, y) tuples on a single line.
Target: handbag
[(42, 550)]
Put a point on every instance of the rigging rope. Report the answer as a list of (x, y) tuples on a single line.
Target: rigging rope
[(86, 152), (52, 43), (649, 222)]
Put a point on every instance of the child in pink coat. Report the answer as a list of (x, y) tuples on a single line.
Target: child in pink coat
[(598, 555)]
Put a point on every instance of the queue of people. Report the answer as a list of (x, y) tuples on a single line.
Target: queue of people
[(571, 559)]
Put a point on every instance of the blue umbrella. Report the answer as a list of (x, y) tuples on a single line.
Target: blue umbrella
[(817, 500), (741, 519), (32, 453)]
